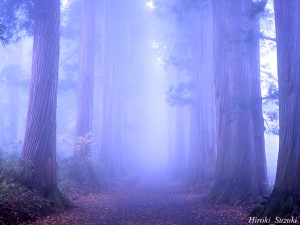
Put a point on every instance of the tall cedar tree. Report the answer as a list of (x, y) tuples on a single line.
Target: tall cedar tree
[(241, 162), (86, 88), (38, 158), (285, 197), (115, 37), (203, 150)]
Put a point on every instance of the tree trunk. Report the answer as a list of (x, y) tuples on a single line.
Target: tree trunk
[(203, 149), (285, 196), (38, 158), (241, 162), (14, 102), (114, 76), (85, 90), (106, 153), (180, 141), (86, 76)]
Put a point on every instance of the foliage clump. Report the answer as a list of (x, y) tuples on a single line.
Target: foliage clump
[(19, 203), (76, 172)]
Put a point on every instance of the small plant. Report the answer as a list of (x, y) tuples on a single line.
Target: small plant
[(82, 146), (9, 165), (76, 169)]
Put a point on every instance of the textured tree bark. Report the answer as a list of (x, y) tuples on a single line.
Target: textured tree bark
[(285, 195), (38, 158), (241, 162), (85, 92)]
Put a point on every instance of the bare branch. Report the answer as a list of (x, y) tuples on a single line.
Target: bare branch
[(270, 128), (269, 97), (264, 37)]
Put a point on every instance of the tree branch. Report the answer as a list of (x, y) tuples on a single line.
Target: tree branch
[(270, 97), (264, 37), (270, 128), (263, 3)]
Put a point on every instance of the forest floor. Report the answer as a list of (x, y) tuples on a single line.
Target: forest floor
[(147, 203)]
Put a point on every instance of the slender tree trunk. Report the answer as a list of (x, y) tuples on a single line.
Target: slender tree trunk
[(120, 73), (114, 75), (179, 134), (241, 163), (180, 141), (38, 158), (4, 139), (14, 101), (203, 149), (86, 76), (171, 137), (106, 94), (285, 196), (85, 93)]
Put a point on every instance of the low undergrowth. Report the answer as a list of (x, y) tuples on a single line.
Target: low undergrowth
[(18, 203), (21, 204)]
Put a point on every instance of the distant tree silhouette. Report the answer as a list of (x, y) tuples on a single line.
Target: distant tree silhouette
[(86, 88)]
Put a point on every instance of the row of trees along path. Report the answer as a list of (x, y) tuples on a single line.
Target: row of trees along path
[(240, 159)]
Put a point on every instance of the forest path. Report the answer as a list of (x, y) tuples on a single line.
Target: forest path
[(142, 204)]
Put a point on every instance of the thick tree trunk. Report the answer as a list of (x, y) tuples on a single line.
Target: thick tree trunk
[(38, 159), (241, 163), (285, 197)]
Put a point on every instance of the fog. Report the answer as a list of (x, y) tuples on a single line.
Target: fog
[(145, 89)]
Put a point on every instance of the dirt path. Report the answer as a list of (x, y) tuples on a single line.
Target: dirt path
[(160, 204)]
